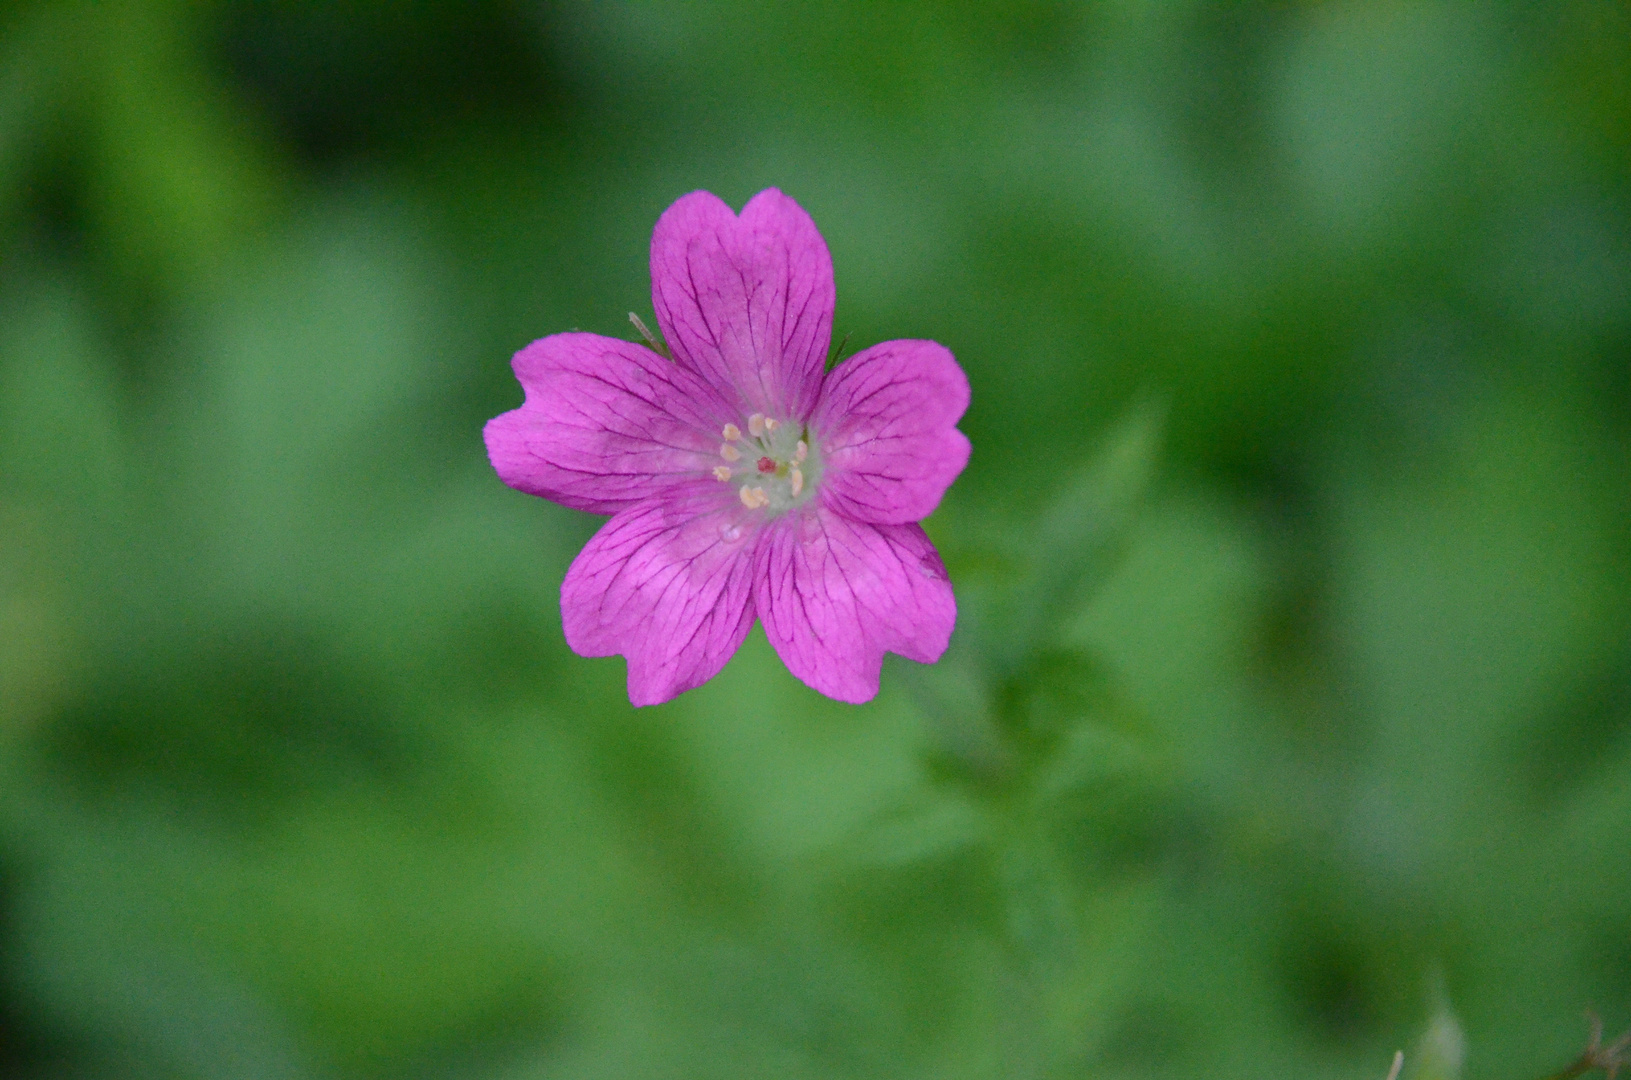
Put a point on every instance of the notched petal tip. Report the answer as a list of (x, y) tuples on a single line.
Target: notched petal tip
[(887, 422), (605, 423), (663, 585), (746, 301), (835, 595)]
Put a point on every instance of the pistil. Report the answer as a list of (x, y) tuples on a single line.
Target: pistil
[(781, 470)]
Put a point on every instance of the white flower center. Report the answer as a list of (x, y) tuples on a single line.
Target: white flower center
[(772, 466)]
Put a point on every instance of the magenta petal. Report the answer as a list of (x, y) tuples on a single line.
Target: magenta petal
[(835, 595), (667, 584), (605, 424), (746, 302), (886, 429)]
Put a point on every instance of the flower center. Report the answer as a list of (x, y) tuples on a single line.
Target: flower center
[(771, 465)]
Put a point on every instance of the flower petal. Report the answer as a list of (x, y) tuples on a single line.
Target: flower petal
[(605, 424), (746, 302), (667, 583), (836, 594), (886, 429)]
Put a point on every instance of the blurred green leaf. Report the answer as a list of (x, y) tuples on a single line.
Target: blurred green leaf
[(1075, 542)]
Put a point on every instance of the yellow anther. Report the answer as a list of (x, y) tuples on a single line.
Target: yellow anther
[(722, 472), (801, 452), (729, 452), (756, 424), (732, 433), (795, 480), (754, 497), (770, 424)]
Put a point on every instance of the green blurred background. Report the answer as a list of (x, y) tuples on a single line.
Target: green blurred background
[(1289, 714)]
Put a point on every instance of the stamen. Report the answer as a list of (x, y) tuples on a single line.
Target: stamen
[(722, 472), (795, 480), (732, 433), (767, 465), (756, 424), (770, 424), (802, 451), (729, 452), (754, 497)]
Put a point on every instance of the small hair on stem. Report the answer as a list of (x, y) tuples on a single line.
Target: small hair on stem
[(1610, 1059), (1398, 1063), (651, 339)]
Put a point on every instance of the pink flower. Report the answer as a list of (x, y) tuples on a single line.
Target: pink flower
[(742, 478)]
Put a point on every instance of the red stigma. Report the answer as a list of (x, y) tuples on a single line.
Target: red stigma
[(766, 465)]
